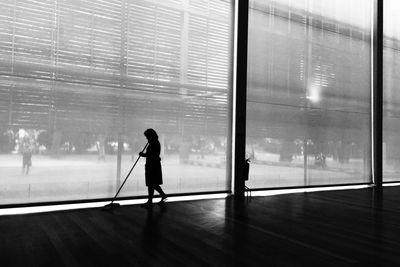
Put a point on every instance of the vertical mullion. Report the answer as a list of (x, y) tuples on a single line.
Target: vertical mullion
[(377, 94), (240, 97), (229, 148)]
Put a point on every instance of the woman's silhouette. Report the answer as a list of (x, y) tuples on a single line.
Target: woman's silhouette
[(153, 173)]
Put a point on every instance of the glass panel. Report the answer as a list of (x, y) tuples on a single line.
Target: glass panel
[(308, 110), (81, 81), (391, 97)]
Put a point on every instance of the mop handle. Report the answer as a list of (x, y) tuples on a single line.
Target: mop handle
[(128, 174)]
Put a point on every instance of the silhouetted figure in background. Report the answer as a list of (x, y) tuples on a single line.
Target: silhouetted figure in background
[(26, 158), (101, 148), (320, 160), (153, 173)]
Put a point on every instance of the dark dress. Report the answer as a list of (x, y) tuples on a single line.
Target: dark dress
[(153, 173)]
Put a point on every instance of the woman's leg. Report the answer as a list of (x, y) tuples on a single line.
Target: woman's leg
[(151, 193), (149, 202), (161, 192)]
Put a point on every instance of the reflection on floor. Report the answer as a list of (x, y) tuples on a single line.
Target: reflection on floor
[(334, 228)]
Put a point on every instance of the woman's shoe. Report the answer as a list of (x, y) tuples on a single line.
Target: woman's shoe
[(163, 199)]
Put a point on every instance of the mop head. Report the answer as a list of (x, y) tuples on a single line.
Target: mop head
[(111, 206)]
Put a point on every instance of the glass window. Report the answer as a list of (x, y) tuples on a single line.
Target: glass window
[(308, 109), (391, 97), (81, 81)]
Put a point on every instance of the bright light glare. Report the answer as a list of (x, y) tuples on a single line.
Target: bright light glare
[(304, 190), (391, 184), (50, 208), (314, 94)]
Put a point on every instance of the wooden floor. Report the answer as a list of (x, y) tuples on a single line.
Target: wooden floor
[(335, 228)]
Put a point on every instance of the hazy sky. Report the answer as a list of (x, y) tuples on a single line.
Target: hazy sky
[(391, 18)]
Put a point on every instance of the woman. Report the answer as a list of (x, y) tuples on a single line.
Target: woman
[(153, 173)]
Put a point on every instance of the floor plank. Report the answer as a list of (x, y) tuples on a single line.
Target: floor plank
[(333, 228)]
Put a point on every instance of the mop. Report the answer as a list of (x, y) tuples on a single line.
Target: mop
[(113, 205)]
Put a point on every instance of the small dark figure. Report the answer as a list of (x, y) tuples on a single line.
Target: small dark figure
[(26, 158), (246, 169), (320, 160), (153, 173), (101, 149)]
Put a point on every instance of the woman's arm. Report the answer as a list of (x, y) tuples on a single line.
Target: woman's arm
[(152, 151)]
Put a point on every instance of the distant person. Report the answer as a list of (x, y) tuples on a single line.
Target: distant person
[(320, 160), (101, 149), (26, 158), (153, 173)]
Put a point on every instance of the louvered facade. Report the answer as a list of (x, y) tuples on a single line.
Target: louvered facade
[(115, 66), (81, 80)]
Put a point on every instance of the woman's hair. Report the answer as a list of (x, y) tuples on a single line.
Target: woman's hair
[(151, 134)]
